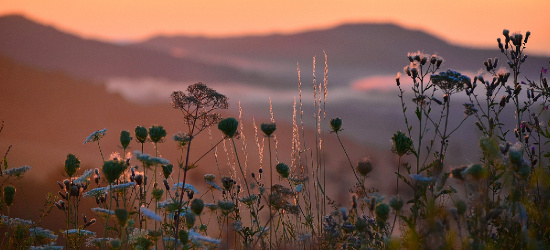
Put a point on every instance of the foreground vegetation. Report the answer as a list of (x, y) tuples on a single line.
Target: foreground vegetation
[(144, 201)]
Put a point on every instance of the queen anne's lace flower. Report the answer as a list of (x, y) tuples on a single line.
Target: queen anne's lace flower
[(16, 171), (95, 136)]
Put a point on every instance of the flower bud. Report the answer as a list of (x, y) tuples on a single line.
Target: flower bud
[(167, 170), (382, 212), (113, 170)]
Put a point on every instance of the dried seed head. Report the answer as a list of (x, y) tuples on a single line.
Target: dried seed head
[(197, 205), (364, 167), (122, 216), (156, 133), (9, 195), (283, 170), (125, 138), (72, 164), (268, 128), (228, 126), (382, 212), (141, 134), (336, 124)]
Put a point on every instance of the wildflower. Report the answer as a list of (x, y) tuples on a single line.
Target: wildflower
[(361, 224), (41, 233), (190, 219), (402, 144), (71, 164), (396, 203), (283, 170), (421, 179), (47, 247), (9, 194), (336, 124), (450, 81), (95, 136), (199, 98), (125, 138), (103, 211), (15, 221), (181, 139), (17, 172), (476, 171), (364, 167), (197, 205), (167, 170), (97, 242), (226, 205), (122, 216), (157, 193), (205, 239), (156, 133), (249, 200), (298, 188), (84, 177), (96, 192), (113, 170), (188, 187), (79, 232), (228, 126), (268, 128), (382, 211), (122, 187), (150, 214), (469, 109), (149, 160), (141, 134)]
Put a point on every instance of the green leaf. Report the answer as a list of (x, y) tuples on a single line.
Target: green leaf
[(5, 163), (320, 187), (418, 114)]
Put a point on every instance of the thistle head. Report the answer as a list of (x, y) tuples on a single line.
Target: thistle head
[(228, 126), (364, 167), (72, 164)]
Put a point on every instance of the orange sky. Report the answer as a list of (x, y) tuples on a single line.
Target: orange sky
[(467, 22)]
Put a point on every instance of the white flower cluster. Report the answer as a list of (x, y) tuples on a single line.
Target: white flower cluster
[(95, 136), (16, 171), (84, 177), (15, 221), (150, 160)]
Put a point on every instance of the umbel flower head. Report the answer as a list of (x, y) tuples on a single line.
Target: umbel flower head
[(113, 169), (72, 164), (364, 167), (156, 133), (450, 81), (198, 104), (95, 136), (141, 134), (268, 128), (17, 172), (229, 126)]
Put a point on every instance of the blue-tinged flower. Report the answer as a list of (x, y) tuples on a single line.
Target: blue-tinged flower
[(203, 239), (102, 211), (422, 179), (187, 187), (17, 172), (80, 232), (149, 160), (95, 136), (150, 214), (84, 177), (96, 192)]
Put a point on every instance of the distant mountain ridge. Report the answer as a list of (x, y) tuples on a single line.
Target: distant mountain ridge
[(48, 48), (354, 51)]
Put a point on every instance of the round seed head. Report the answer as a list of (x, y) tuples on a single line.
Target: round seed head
[(382, 211), (336, 124), (364, 167), (197, 205), (283, 170), (113, 170), (268, 128), (122, 216), (156, 133)]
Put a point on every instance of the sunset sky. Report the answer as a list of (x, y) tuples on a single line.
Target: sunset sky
[(465, 22)]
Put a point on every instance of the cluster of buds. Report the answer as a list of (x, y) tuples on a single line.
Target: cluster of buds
[(69, 188), (517, 41), (491, 64)]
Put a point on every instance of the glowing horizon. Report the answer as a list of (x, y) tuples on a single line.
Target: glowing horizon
[(469, 23)]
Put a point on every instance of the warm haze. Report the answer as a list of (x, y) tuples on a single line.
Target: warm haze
[(469, 22)]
